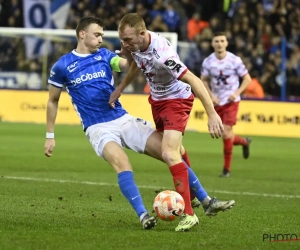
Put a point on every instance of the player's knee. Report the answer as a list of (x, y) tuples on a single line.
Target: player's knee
[(170, 156), (116, 157), (227, 131), (120, 164)]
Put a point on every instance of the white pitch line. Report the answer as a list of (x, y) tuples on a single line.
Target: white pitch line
[(147, 187)]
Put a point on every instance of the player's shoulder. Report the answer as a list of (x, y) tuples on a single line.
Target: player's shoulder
[(209, 58), (158, 41), (232, 56), (63, 61), (105, 54), (103, 51)]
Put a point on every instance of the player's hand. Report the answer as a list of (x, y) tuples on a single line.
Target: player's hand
[(125, 52), (215, 126), (232, 97), (215, 100), (113, 97), (49, 146)]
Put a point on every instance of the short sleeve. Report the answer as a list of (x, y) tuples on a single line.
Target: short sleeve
[(240, 67), (204, 69), (176, 67), (56, 77)]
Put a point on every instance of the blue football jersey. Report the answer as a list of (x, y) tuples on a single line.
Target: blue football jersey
[(89, 81)]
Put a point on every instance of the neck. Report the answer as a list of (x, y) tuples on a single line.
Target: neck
[(220, 55), (81, 49)]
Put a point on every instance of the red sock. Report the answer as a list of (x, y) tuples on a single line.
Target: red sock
[(186, 158), (187, 161), (239, 140), (227, 143), (181, 183)]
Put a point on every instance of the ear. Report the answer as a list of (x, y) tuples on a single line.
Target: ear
[(142, 33), (81, 34)]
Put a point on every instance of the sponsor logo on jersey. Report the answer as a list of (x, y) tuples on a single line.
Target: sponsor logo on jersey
[(88, 76), (52, 73), (156, 54), (173, 65), (72, 67)]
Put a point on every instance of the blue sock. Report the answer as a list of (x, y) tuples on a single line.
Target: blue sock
[(131, 192), (195, 186)]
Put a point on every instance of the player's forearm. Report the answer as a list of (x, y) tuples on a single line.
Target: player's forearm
[(246, 81), (129, 60), (207, 87), (51, 115), (202, 93), (125, 63), (133, 73)]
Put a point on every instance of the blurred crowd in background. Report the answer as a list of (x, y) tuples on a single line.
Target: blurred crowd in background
[(262, 32)]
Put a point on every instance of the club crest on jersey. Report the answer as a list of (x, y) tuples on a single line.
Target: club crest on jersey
[(98, 58)]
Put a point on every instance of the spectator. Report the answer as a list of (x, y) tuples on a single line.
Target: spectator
[(158, 25), (254, 29), (172, 19), (195, 25), (254, 89)]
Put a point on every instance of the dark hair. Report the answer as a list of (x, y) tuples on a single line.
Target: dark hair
[(219, 33), (86, 21)]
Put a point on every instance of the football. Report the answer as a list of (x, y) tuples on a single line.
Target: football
[(168, 205)]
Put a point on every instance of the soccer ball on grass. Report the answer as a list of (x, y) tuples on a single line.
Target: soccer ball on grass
[(168, 205)]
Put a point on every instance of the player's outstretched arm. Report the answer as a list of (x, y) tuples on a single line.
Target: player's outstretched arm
[(133, 73), (52, 106), (215, 125)]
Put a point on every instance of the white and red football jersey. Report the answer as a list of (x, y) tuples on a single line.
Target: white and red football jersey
[(224, 75), (163, 69)]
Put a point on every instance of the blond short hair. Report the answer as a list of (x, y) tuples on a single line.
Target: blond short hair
[(132, 20)]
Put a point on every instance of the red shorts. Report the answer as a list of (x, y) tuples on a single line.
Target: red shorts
[(172, 114), (228, 112)]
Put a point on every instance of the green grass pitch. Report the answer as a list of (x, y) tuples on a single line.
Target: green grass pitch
[(71, 201)]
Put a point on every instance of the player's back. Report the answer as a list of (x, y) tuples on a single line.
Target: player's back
[(89, 82)]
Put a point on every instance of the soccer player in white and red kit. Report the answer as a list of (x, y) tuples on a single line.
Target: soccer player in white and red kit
[(171, 98), (220, 73)]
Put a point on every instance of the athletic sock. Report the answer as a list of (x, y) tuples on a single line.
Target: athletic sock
[(131, 192), (195, 186), (227, 151), (237, 140), (186, 158), (188, 163), (181, 183)]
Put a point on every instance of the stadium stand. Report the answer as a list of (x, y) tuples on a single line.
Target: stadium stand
[(255, 29)]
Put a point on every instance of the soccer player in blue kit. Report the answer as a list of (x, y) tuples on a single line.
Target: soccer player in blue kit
[(86, 72)]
